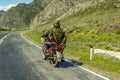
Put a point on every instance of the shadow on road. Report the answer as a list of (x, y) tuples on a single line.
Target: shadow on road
[(70, 63)]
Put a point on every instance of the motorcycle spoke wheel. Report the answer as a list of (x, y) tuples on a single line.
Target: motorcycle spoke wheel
[(55, 62)]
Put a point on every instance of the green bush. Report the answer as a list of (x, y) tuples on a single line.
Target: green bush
[(118, 31)]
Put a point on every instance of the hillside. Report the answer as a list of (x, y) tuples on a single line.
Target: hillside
[(22, 14), (59, 9), (104, 17)]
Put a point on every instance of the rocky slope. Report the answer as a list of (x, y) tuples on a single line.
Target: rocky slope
[(52, 11), (22, 14), (59, 9)]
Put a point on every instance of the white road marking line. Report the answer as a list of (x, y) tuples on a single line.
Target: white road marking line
[(2, 39), (105, 78), (30, 41)]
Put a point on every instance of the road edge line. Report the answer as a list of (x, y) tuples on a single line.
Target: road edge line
[(2, 39), (30, 41), (105, 78)]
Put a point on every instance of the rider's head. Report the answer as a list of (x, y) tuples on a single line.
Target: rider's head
[(56, 24)]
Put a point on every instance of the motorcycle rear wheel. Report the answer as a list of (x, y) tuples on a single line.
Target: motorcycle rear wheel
[(55, 62)]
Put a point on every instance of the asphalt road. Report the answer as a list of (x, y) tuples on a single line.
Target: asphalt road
[(20, 60)]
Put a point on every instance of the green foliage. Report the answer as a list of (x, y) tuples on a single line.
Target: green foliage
[(118, 31), (103, 41), (3, 31)]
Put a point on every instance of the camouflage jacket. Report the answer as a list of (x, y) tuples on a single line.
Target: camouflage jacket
[(57, 35)]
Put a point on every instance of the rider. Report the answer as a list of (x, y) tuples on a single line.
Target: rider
[(55, 35)]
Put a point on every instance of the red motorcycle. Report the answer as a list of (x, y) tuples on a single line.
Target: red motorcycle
[(54, 54)]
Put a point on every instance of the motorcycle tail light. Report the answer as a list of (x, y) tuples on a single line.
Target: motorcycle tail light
[(49, 50), (59, 48)]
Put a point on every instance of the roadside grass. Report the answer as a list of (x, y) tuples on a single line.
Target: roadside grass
[(4, 31), (104, 63), (79, 46), (90, 29), (34, 35)]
